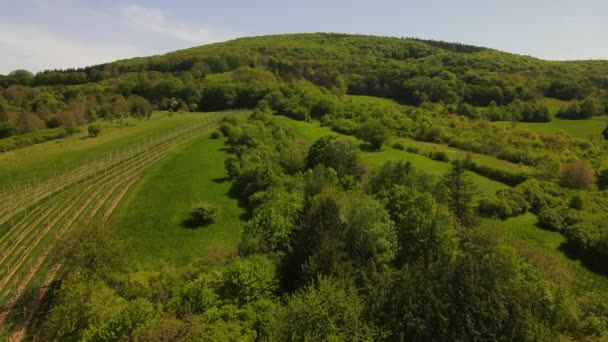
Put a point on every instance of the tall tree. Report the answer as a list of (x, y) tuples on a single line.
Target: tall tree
[(460, 191)]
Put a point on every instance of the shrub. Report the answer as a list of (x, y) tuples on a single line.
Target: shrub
[(602, 179), (399, 145), (540, 194), (94, 130), (216, 135), (551, 219), (203, 214), (504, 204), (578, 174), (70, 128), (439, 156), (375, 133), (232, 166), (577, 202), (412, 149)]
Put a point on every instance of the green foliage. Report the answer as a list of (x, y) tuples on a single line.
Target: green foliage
[(94, 130), (504, 204), (329, 310), (375, 133), (424, 231), (486, 293), (341, 154), (578, 174), (248, 280), (460, 191), (203, 214)]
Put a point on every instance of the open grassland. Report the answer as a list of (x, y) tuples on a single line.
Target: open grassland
[(590, 128), (154, 214), (53, 157), (31, 236), (313, 131), (554, 105)]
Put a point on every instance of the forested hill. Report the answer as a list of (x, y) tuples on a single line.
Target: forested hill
[(369, 65), (408, 70)]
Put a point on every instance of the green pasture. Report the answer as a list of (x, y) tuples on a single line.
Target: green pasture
[(53, 157), (152, 216)]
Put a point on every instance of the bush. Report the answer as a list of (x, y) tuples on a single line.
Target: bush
[(540, 194), (374, 133), (504, 204), (203, 214), (70, 129), (232, 166), (502, 176), (94, 130), (412, 149), (399, 145), (439, 156), (551, 219), (216, 135), (578, 174)]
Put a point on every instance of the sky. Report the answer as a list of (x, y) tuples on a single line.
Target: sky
[(57, 34)]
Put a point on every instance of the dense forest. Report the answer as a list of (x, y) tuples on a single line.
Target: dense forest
[(331, 248)]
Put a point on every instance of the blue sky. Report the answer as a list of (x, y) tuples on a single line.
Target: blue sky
[(42, 34)]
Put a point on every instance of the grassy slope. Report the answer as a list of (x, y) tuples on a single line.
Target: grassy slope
[(52, 157), (312, 131), (576, 128), (543, 249), (153, 212), (479, 159)]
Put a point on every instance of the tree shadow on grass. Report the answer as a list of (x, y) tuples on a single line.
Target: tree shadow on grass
[(221, 180), (191, 223), (33, 309), (591, 262)]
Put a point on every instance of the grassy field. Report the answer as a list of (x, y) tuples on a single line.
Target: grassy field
[(554, 104), (313, 131), (52, 157), (590, 128), (153, 213), (544, 250), (479, 159), (576, 128)]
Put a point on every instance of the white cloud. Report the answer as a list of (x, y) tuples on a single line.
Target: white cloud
[(155, 21), (37, 49), (73, 34)]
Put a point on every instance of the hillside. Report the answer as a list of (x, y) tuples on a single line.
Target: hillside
[(306, 187)]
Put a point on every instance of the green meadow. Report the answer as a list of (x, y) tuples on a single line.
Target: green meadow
[(52, 157), (313, 131), (153, 216)]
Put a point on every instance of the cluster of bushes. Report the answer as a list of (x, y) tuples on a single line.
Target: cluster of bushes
[(585, 109), (503, 204), (19, 141), (579, 215)]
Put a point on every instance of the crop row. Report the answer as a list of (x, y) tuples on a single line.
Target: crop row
[(20, 197), (89, 192)]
